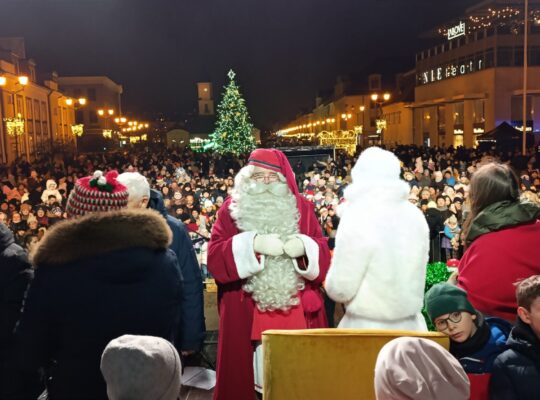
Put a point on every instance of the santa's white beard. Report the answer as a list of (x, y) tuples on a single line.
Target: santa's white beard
[(269, 209)]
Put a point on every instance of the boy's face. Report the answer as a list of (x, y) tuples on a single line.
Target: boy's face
[(532, 317), (458, 325)]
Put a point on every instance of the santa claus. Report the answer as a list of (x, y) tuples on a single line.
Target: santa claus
[(269, 259)]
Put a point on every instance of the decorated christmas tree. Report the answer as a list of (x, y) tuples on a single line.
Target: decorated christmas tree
[(233, 128)]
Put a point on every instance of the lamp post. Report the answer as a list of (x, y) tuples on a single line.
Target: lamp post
[(525, 68), (15, 126), (106, 114), (76, 129), (379, 100)]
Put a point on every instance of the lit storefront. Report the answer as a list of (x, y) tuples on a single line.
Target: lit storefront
[(472, 80)]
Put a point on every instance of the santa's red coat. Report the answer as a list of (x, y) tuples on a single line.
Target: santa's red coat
[(235, 379)]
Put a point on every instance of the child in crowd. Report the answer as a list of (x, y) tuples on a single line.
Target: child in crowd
[(450, 241), (474, 340), (516, 372)]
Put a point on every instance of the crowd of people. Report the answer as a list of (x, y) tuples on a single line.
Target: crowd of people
[(481, 207)]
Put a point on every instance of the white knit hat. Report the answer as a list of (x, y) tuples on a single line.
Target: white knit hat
[(141, 368)]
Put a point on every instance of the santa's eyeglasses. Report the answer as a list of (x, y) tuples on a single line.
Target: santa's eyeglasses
[(262, 177)]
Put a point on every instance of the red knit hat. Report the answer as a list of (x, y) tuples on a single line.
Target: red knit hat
[(265, 158), (97, 193)]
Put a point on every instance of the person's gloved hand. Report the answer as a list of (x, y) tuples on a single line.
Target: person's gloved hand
[(269, 245), (294, 247)]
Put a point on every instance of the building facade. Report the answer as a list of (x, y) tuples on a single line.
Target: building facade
[(344, 110), (34, 114), (472, 79), (104, 101)]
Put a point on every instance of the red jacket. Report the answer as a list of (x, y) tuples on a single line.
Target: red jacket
[(494, 262), (235, 379)]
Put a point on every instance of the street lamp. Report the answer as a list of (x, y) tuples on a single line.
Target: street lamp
[(379, 100)]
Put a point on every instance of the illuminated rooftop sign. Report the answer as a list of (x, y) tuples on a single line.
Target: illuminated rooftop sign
[(456, 31), (449, 71)]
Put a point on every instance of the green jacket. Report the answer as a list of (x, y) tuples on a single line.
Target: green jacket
[(502, 214)]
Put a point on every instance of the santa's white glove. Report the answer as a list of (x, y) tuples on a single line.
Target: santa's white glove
[(269, 245), (294, 247)]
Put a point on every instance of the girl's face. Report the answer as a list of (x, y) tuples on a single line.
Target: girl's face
[(40, 213), (16, 218), (33, 224), (459, 325)]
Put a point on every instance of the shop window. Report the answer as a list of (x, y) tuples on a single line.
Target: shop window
[(441, 119), (479, 111), (29, 112), (458, 114), (516, 111)]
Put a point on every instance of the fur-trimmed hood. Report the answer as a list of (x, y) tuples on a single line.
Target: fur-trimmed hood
[(101, 233)]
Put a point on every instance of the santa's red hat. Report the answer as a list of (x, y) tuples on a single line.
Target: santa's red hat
[(265, 158), (97, 193)]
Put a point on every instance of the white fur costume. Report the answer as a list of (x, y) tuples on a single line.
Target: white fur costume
[(382, 248)]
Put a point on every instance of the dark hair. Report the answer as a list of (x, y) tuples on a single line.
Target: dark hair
[(490, 184), (527, 291)]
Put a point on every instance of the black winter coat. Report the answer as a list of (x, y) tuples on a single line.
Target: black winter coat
[(15, 275), (516, 372), (192, 325), (97, 278)]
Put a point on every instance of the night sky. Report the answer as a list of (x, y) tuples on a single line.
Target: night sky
[(282, 50)]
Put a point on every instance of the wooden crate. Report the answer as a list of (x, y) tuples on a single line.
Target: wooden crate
[(211, 286)]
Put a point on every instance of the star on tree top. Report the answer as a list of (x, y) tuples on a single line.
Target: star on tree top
[(231, 74)]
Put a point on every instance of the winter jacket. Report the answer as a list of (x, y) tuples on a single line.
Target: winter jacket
[(192, 325), (477, 354), (516, 372), (97, 278), (15, 275), (504, 250)]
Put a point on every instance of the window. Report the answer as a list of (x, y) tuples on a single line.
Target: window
[(458, 115), (77, 93), (37, 113), (44, 114), (206, 109), (29, 113), (479, 111), (93, 117), (534, 55), (516, 111), (489, 58), (79, 116), (441, 119), (92, 94), (504, 57), (480, 35), (518, 56)]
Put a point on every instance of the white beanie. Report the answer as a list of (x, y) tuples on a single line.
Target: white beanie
[(141, 368)]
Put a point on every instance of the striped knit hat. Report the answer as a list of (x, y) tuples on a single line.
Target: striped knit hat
[(97, 193)]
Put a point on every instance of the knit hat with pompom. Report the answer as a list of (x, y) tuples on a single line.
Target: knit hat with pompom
[(97, 193)]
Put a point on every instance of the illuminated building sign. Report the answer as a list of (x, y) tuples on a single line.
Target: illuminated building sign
[(450, 71), (456, 31)]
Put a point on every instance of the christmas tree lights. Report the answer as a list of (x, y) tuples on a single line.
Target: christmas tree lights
[(233, 132)]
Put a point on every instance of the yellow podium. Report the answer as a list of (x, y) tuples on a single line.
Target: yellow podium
[(326, 364)]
